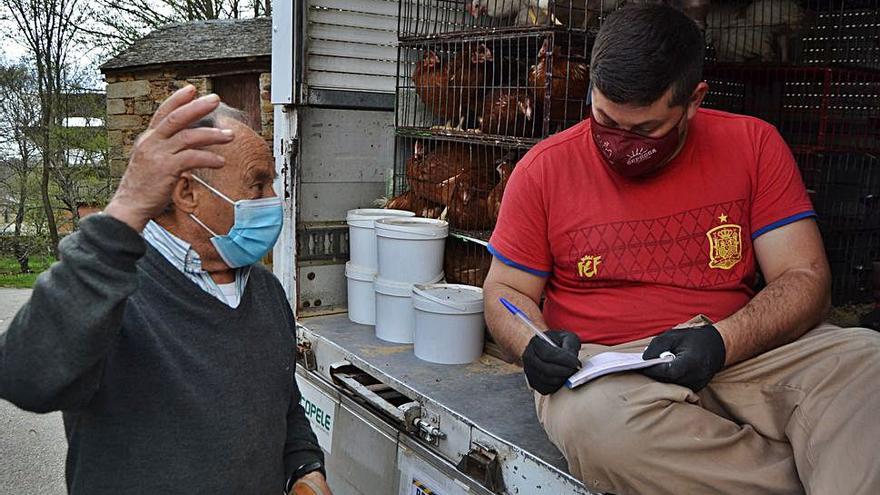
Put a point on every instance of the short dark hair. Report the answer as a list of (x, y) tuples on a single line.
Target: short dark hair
[(643, 50)]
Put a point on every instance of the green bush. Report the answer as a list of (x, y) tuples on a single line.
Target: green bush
[(29, 245)]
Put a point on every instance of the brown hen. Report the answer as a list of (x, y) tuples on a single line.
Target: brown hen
[(469, 204), (431, 78), (432, 175), (510, 112), (455, 90), (409, 201), (465, 262), (505, 168), (568, 83)]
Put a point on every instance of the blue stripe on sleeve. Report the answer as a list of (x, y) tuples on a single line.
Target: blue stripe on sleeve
[(509, 262), (781, 223)]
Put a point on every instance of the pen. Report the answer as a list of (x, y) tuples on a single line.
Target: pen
[(526, 321)]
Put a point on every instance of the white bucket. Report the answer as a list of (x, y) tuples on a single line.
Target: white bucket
[(411, 249), (362, 236), (361, 295), (395, 318), (449, 323)]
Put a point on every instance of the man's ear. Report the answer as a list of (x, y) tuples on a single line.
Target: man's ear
[(183, 195), (697, 98)]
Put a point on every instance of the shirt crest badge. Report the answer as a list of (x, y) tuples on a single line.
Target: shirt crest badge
[(725, 245)]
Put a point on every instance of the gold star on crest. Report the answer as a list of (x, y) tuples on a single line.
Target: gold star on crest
[(722, 218)]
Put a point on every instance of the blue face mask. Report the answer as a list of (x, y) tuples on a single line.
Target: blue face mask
[(254, 232)]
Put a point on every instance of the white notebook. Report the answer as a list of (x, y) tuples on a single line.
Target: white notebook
[(613, 362)]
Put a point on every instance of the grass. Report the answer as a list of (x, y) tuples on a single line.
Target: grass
[(10, 275)]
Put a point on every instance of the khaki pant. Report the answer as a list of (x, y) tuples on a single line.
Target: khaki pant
[(803, 418)]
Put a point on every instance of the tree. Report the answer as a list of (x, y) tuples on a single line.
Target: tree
[(81, 174), (125, 21), (19, 117), (49, 28)]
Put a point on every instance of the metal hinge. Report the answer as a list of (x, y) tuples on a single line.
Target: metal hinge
[(290, 152), (481, 463)]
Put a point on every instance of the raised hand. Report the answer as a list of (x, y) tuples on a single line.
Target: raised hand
[(168, 148)]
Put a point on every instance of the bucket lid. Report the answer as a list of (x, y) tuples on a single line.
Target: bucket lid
[(428, 228), (448, 298), (365, 217), (361, 273), (400, 289)]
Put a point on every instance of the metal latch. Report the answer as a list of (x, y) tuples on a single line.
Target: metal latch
[(481, 463), (428, 431), (416, 423), (305, 356), (388, 401)]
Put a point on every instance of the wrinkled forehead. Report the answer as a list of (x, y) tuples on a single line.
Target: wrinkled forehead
[(248, 156)]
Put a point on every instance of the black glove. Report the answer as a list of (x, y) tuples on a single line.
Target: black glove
[(548, 367), (699, 354)]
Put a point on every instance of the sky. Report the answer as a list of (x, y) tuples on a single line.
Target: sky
[(13, 50), (83, 58)]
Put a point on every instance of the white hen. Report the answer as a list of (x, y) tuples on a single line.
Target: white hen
[(760, 32), (528, 12), (504, 8)]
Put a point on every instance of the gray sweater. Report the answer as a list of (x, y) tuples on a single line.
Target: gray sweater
[(164, 388)]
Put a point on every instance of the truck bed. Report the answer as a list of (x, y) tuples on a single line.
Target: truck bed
[(490, 394)]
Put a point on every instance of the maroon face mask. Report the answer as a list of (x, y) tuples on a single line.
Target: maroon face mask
[(633, 155)]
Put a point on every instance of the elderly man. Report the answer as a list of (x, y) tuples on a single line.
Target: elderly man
[(645, 215), (170, 352)]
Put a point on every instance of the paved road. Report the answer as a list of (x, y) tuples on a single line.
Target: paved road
[(32, 446)]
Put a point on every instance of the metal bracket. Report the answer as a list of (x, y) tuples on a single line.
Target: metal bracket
[(305, 355), (481, 463), (412, 412)]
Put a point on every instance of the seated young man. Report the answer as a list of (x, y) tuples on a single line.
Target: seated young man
[(653, 211)]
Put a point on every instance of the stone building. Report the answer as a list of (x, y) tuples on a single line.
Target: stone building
[(229, 57)]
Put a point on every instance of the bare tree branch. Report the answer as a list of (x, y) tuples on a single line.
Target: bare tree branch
[(49, 28), (123, 22)]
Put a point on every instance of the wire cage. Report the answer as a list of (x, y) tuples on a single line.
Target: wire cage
[(815, 108), (812, 68), (420, 19), (461, 182), (481, 81), (458, 181), (851, 254), (510, 88), (845, 190), (790, 32)]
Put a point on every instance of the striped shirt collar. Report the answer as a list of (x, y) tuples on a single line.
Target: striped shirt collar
[(182, 256)]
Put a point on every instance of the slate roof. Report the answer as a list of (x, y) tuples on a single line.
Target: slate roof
[(198, 41)]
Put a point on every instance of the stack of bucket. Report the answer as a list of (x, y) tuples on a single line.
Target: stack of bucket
[(410, 251), (393, 283), (361, 270)]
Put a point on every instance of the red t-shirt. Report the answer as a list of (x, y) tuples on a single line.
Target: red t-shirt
[(628, 259)]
